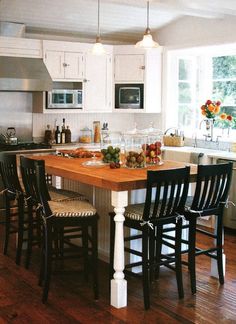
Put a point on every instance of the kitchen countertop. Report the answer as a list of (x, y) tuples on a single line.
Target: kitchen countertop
[(185, 149), (74, 145), (209, 152), (38, 151)]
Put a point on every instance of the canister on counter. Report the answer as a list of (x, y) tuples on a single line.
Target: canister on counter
[(85, 135), (111, 146), (96, 132), (135, 147), (153, 150)]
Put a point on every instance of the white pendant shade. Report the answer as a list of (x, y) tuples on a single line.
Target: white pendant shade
[(147, 41), (98, 48)]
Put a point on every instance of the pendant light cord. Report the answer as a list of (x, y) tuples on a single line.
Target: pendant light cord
[(98, 32), (147, 14)]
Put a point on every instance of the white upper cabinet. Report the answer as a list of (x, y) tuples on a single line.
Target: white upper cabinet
[(74, 65), (64, 60), (64, 65), (54, 62), (20, 47), (98, 83), (74, 62), (129, 67), (132, 65)]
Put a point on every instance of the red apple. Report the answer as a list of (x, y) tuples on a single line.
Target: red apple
[(158, 144), (152, 147)]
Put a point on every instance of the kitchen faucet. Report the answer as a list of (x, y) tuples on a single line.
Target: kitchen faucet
[(209, 128)]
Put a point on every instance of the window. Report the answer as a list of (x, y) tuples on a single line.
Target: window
[(186, 93), (224, 85), (195, 76)]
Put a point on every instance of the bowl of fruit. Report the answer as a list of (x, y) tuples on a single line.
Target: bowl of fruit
[(153, 153), (135, 147), (111, 154), (135, 159)]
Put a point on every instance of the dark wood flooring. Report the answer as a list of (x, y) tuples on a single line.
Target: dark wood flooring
[(71, 298)]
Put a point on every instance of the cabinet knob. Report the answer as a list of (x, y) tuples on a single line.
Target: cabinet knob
[(64, 64), (142, 67), (86, 80)]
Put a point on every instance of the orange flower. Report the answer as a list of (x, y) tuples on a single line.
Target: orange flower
[(217, 109), (211, 108), (223, 116)]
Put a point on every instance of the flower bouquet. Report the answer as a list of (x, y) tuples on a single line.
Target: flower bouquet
[(211, 109)]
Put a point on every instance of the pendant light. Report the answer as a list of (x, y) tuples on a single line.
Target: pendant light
[(147, 41), (98, 48)]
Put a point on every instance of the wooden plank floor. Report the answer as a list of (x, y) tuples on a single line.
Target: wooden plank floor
[(71, 298)]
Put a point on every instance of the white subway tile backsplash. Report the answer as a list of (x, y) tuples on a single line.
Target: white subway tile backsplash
[(116, 122)]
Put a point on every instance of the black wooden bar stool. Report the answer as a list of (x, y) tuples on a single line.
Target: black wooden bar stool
[(164, 204), (15, 222), (210, 198), (59, 218), (27, 168)]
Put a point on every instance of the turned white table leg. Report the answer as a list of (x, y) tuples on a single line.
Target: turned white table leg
[(119, 200)]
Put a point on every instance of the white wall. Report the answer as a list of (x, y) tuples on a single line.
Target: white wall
[(192, 31)]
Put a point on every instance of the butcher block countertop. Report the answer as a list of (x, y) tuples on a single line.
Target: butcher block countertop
[(103, 176)]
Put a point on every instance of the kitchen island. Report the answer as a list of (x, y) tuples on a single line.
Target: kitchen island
[(119, 182)]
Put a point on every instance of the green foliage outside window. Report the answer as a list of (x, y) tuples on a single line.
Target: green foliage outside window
[(224, 87)]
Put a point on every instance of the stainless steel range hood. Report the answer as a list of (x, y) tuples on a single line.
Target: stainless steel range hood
[(24, 74)]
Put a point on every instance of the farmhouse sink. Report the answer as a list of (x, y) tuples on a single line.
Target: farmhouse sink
[(188, 154)]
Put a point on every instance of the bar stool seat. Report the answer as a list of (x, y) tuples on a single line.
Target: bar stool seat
[(62, 194), (71, 208)]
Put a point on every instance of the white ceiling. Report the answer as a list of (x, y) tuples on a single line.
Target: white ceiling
[(120, 20)]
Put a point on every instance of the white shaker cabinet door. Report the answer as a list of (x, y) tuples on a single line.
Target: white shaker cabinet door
[(54, 62), (129, 67), (98, 83), (74, 65)]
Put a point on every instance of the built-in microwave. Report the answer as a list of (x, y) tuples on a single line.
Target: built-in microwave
[(64, 99), (129, 96)]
